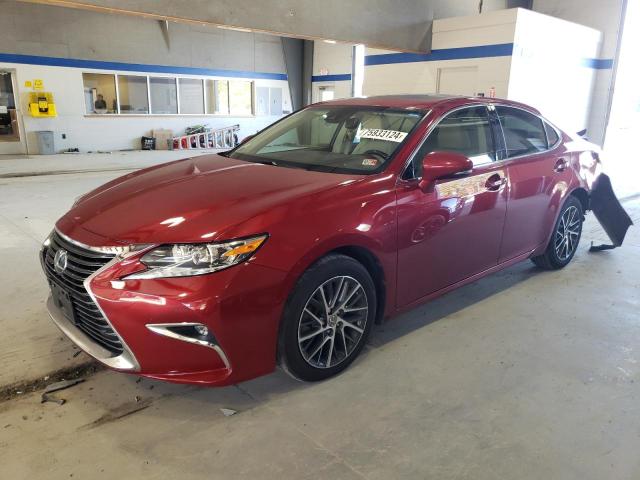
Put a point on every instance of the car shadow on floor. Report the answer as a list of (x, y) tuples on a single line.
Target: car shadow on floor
[(452, 302), (280, 383), (258, 391)]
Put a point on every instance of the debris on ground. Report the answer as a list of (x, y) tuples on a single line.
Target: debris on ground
[(47, 397), (119, 412), (33, 385), (227, 412), (55, 387)]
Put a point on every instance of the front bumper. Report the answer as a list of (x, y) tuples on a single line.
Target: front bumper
[(124, 361), (240, 306)]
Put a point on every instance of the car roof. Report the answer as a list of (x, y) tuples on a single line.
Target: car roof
[(423, 102)]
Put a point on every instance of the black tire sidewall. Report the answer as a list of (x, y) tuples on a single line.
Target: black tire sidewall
[(326, 268)]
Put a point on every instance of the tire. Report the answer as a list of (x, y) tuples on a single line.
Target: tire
[(564, 241), (338, 336)]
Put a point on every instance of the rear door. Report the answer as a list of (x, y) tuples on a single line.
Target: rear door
[(538, 170), (454, 231)]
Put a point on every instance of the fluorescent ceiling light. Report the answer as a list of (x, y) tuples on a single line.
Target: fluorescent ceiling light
[(235, 29)]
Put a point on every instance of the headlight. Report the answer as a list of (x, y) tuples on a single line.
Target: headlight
[(183, 260)]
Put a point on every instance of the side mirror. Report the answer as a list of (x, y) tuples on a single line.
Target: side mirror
[(437, 165), (247, 138)]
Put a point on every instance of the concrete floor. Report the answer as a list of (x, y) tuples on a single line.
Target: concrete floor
[(525, 374)]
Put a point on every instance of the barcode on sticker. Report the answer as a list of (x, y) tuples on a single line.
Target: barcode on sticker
[(379, 134)]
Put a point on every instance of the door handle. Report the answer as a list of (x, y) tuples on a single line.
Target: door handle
[(494, 182), (561, 165)]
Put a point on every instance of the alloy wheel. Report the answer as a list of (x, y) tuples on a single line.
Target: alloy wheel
[(567, 233), (333, 322)]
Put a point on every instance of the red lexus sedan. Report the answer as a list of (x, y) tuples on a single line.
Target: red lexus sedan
[(289, 248)]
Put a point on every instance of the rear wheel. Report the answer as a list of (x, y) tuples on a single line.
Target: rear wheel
[(327, 318), (566, 236)]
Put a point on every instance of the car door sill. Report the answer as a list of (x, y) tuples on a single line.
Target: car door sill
[(466, 281)]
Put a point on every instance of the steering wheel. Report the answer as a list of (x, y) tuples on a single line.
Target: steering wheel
[(378, 153)]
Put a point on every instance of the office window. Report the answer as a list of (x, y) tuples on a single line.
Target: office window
[(133, 94), (191, 95), (217, 97), (142, 95), (240, 97), (164, 98), (99, 93)]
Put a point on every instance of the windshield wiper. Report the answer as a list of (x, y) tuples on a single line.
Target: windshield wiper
[(265, 162)]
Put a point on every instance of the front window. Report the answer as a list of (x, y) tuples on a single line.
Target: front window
[(339, 139), (466, 131)]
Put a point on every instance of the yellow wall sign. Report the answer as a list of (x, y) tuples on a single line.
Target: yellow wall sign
[(38, 84), (28, 84)]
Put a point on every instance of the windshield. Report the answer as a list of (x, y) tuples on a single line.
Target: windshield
[(341, 139)]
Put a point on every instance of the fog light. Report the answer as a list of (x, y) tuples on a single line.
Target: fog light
[(202, 330)]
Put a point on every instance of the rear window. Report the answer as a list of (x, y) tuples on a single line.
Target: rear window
[(524, 133), (552, 135)]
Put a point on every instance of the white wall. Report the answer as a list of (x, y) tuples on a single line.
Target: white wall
[(548, 70), (603, 15), (65, 36), (331, 59), (422, 77), (109, 132)]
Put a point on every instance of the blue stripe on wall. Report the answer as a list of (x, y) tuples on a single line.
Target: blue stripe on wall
[(134, 67), (482, 51), (598, 63), (331, 78)]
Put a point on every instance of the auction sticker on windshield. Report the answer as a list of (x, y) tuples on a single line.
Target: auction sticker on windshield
[(379, 134)]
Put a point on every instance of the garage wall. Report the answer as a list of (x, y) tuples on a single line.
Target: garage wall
[(604, 16), (549, 63), (108, 132), (332, 64), (57, 45), (554, 72), (478, 47)]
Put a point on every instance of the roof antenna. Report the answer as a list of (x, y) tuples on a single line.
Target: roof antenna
[(480, 7)]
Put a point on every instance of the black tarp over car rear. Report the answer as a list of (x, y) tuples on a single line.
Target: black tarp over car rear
[(607, 209)]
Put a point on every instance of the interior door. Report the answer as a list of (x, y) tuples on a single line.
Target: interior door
[(457, 81), (275, 101), (454, 231), (538, 171)]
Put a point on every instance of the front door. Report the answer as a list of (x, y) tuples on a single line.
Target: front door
[(11, 138), (453, 232), (539, 174)]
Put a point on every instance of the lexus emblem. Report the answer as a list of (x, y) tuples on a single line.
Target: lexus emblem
[(60, 261)]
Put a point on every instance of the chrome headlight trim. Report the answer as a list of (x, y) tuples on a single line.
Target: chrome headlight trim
[(192, 259)]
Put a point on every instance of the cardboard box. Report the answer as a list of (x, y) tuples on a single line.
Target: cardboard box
[(162, 136)]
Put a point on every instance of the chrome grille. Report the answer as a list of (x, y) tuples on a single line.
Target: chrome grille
[(81, 263)]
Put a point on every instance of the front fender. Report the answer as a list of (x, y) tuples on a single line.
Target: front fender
[(384, 255)]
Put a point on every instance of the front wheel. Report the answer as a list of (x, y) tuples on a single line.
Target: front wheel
[(327, 318), (566, 236)]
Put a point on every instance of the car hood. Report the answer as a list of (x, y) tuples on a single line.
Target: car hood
[(191, 200)]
